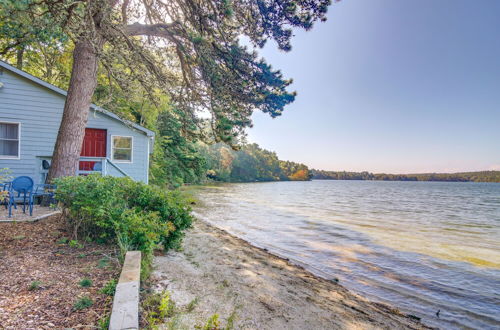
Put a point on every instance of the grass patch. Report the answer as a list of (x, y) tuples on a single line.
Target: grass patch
[(85, 282), (192, 304), (102, 263), (82, 303), (35, 285), (109, 288)]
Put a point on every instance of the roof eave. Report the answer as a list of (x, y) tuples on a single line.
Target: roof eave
[(58, 90)]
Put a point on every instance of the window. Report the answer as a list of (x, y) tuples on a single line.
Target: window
[(9, 140), (122, 149)]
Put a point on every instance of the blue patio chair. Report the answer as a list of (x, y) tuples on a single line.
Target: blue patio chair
[(22, 185)]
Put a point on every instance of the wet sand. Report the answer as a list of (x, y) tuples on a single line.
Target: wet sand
[(217, 273)]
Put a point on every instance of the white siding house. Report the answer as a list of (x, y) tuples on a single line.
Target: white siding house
[(30, 114)]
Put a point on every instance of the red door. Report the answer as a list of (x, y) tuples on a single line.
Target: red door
[(94, 145)]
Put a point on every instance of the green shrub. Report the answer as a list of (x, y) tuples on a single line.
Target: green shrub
[(122, 211), (82, 303)]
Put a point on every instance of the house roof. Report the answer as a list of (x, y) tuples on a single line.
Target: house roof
[(64, 93)]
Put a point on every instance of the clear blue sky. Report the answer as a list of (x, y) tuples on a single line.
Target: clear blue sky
[(394, 86)]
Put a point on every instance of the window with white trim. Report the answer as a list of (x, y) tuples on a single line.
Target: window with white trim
[(121, 148), (9, 140)]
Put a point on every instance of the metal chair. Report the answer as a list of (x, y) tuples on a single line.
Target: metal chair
[(21, 185)]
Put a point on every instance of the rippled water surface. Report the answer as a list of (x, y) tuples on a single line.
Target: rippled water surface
[(419, 246)]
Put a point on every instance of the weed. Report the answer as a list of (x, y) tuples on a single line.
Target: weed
[(18, 238), (230, 320), (82, 255), (103, 323), (192, 305), (75, 244), (35, 285), (158, 307), (102, 263), (62, 240), (85, 282), (82, 303), (211, 324), (109, 288)]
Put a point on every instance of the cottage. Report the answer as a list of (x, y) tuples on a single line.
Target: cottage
[(30, 114)]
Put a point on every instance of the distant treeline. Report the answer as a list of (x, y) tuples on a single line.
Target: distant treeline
[(249, 164), (482, 176)]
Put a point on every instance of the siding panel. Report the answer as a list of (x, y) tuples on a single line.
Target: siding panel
[(39, 110)]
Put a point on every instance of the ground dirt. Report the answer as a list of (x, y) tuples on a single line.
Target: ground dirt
[(35, 252), (217, 273)]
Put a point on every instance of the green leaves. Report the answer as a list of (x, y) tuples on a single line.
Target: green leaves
[(133, 214)]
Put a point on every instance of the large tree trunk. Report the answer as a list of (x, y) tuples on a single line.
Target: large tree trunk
[(76, 110)]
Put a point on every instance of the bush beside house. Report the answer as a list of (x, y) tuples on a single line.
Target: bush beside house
[(131, 214)]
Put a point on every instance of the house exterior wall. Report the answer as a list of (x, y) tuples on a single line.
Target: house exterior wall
[(39, 111)]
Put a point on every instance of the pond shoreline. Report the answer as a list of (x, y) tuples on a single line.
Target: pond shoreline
[(218, 273)]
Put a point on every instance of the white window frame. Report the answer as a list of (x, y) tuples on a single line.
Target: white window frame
[(131, 149), (18, 140)]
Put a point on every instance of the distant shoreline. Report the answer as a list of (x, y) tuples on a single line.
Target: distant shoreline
[(480, 176)]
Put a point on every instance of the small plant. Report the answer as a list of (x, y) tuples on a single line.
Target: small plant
[(82, 255), (192, 304), (85, 283), (109, 288), (35, 285), (75, 244), (211, 324), (19, 237), (103, 323), (82, 303), (230, 320), (158, 307), (62, 240), (102, 263)]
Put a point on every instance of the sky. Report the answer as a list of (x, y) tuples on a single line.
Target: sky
[(395, 86)]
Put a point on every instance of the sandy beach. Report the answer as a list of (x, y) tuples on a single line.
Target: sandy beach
[(217, 273)]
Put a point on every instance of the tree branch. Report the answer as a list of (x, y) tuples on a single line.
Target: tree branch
[(152, 30)]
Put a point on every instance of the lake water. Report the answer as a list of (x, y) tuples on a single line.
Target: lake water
[(419, 246)]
